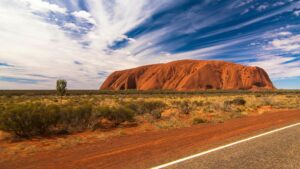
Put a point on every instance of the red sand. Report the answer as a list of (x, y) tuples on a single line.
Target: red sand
[(149, 149)]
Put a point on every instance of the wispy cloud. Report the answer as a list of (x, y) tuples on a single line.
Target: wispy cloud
[(297, 13), (43, 6), (278, 67), (5, 65), (84, 15), (83, 41), (288, 44)]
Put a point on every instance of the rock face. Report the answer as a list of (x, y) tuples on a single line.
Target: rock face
[(189, 75)]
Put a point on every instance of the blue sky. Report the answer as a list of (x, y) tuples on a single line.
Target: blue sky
[(83, 41)]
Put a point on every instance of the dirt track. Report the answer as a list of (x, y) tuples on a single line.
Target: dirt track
[(152, 148)]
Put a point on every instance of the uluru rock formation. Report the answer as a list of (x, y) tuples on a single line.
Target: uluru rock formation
[(190, 75)]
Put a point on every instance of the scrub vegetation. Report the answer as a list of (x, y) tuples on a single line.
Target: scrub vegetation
[(32, 121), (37, 115)]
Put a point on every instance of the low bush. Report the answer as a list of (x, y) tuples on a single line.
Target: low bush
[(156, 114), (198, 103), (75, 118), (27, 120), (185, 107), (227, 106), (142, 107), (150, 106), (237, 101), (199, 121), (36, 119), (117, 114)]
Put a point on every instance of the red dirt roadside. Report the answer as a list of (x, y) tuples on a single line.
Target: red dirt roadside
[(152, 148)]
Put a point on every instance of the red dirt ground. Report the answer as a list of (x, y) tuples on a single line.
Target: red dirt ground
[(152, 148)]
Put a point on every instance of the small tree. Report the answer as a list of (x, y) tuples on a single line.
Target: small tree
[(61, 88)]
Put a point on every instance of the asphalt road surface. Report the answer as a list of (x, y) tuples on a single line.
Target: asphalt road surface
[(149, 149), (279, 150)]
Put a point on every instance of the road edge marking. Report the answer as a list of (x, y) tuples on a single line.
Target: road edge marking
[(223, 147)]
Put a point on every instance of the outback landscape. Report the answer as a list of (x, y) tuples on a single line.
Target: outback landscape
[(33, 124), (138, 84), (43, 121)]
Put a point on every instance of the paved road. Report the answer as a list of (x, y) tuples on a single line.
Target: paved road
[(280, 150), (149, 149)]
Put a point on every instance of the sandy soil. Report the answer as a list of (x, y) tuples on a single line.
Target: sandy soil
[(152, 148)]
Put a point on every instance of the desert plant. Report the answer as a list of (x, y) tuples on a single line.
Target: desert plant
[(27, 120), (150, 106), (227, 106), (134, 105), (198, 103), (73, 118), (36, 119), (61, 87), (156, 114), (239, 101), (117, 114), (142, 107), (198, 120), (185, 107), (267, 101)]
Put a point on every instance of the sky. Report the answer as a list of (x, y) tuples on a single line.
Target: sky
[(83, 41)]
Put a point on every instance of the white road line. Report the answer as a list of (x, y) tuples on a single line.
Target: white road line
[(222, 147)]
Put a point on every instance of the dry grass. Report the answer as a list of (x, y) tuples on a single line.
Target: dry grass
[(201, 109)]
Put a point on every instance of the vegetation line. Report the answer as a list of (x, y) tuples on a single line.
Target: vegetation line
[(134, 92)]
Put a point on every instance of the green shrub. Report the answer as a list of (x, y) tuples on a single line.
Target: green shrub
[(237, 101), (142, 107), (150, 106), (198, 103), (267, 101), (121, 114), (117, 114), (199, 121), (227, 106), (185, 107), (74, 118), (156, 114), (36, 119), (135, 106), (27, 120)]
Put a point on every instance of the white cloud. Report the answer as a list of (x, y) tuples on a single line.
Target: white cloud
[(289, 44), (280, 3), (43, 6), (284, 34), (297, 13), (262, 7), (84, 15), (71, 26), (278, 67), (124, 37), (35, 46), (238, 4)]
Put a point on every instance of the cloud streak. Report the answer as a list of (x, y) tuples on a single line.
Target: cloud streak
[(84, 41)]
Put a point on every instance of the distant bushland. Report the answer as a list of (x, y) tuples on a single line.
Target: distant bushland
[(137, 92)]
